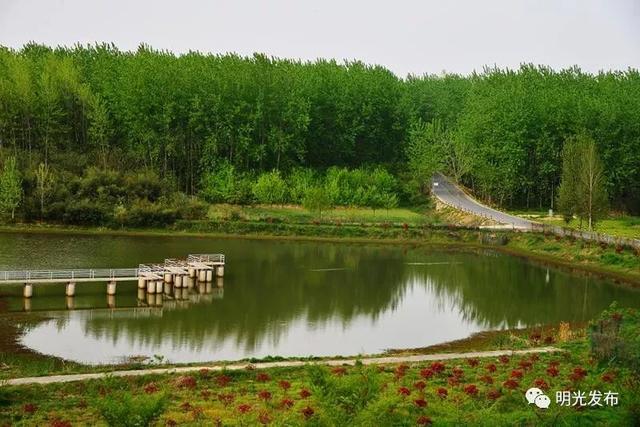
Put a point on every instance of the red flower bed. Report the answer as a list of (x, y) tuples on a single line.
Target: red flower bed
[(222, 380), (339, 371), (437, 367), (457, 372), (525, 364), (516, 374), (423, 420), (244, 408), (493, 394), (503, 359), (226, 399), (286, 403), (511, 384), (186, 382), (308, 412), (151, 388), (404, 391), (284, 384), (453, 381), (304, 393), (491, 367), (426, 373), (29, 408), (578, 374), (473, 362), (471, 390), (541, 384), (421, 403), (552, 371), (264, 395), (263, 377), (608, 377), (442, 392), (420, 385), (264, 418)]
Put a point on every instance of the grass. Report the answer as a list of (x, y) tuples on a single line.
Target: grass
[(619, 226), (455, 392), (297, 214)]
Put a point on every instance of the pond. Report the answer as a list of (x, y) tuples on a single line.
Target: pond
[(288, 298)]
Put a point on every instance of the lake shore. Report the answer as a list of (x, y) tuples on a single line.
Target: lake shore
[(619, 264)]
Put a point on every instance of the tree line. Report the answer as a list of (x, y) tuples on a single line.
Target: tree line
[(192, 118)]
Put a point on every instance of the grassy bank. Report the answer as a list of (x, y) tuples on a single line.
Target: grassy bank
[(455, 392)]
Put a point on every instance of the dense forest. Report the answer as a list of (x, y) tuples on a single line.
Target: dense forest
[(131, 126)]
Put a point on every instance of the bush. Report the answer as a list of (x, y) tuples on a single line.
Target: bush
[(270, 188), (124, 410), (189, 207), (145, 185), (316, 199), (226, 185), (146, 214), (86, 212), (300, 181), (615, 337)]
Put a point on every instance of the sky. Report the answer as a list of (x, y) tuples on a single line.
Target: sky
[(406, 36)]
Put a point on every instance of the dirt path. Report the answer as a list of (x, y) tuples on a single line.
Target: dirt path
[(264, 365)]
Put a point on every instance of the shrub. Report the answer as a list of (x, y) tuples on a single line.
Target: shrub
[(86, 212), (316, 199), (146, 214), (124, 410), (225, 185), (615, 337), (270, 188), (299, 182)]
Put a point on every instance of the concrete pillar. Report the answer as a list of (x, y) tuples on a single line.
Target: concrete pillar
[(26, 304), (201, 287), (151, 298), (202, 275), (141, 283), (27, 292), (70, 290), (159, 286), (141, 294), (111, 288), (111, 301), (70, 303), (209, 276), (219, 282), (192, 272), (168, 278), (178, 281), (159, 300), (220, 271), (151, 286), (190, 282), (207, 288), (168, 288)]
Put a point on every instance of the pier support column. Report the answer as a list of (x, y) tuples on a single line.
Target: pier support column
[(159, 286), (70, 290), (141, 294), (167, 288), (27, 292), (141, 283), (202, 275), (188, 282), (209, 276), (219, 282), (151, 286), (70, 303), (111, 288), (220, 271), (168, 278), (192, 272), (178, 281), (111, 301)]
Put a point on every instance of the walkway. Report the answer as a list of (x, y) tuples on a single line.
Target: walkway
[(53, 379)]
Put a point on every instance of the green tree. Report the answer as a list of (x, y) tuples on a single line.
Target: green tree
[(424, 152), (582, 189), (317, 199), (270, 188), (44, 184), (10, 188)]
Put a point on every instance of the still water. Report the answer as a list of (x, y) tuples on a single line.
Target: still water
[(289, 298)]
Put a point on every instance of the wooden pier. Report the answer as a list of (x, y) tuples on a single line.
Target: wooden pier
[(152, 279)]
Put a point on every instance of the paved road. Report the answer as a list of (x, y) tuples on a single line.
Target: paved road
[(53, 379), (448, 193)]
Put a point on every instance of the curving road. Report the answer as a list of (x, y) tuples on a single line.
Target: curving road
[(450, 194)]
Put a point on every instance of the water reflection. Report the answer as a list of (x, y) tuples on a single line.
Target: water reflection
[(290, 299)]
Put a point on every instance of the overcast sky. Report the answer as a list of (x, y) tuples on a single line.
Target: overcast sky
[(412, 36)]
